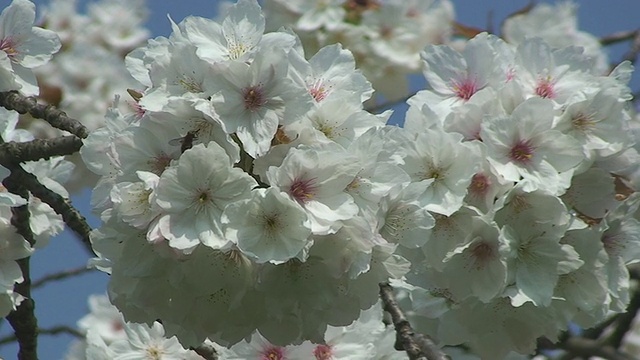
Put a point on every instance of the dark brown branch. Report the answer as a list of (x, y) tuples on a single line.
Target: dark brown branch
[(417, 346), (587, 348), (20, 215), (74, 220), (387, 104), (12, 100), (617, 37), (39, 149), (206, 351), (60, 276), (624, 322), (633, 52), (56, 330), (23, 319), (596, 331)]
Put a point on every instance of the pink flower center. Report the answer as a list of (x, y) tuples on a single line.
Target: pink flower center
[(323, 352), (545, 88), (482, 253), (480, 185), (303, 190), (318, 91), (582, 122), (613, 244), (273, 353), (253, 97), (465, 89), (9, 46), (511, 74), (522, 152)]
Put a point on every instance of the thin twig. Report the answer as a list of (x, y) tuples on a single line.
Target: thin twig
[(60, 276), (418, 346), (617, 37), (56, 330), (633, 52), (13, 100)]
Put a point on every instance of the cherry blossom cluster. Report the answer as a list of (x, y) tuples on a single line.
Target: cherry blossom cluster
[(82, 78), (23, 47), (531, 156), (250, 191), (243, 194), (557, 24), (385, 36), (109, 336)]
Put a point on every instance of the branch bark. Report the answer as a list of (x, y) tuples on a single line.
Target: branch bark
[(12, 100), (60, 276), (418, 346), (23, 319), (39, 149)]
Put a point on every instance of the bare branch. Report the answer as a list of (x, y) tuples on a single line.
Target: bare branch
[(418, 346), (56, 330), (624, 322), (39, 149), (23, 319), (60, 276), (633, 52), (617, 37), (74, 220), (587, 348), (387, 104), (206, 351), (13, 100)]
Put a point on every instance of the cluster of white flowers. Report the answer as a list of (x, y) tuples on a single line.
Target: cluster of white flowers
[(23, 47), (541, 230), (82, 78), (109, 336), (556, 24), (385, 36), (97, 40), (251, 191), (244, 194)]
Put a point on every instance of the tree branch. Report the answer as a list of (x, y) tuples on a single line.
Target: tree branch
[(13, 100), (39, 149), (74, 220), (206, 351), (417, 346), (56, 330), (23, 319), (624, 322), (617, 37), (60, 276), (633, 52), (382, 106), (586, 348)]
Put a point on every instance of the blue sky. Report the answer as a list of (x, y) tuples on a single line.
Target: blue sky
[(64, 302)]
